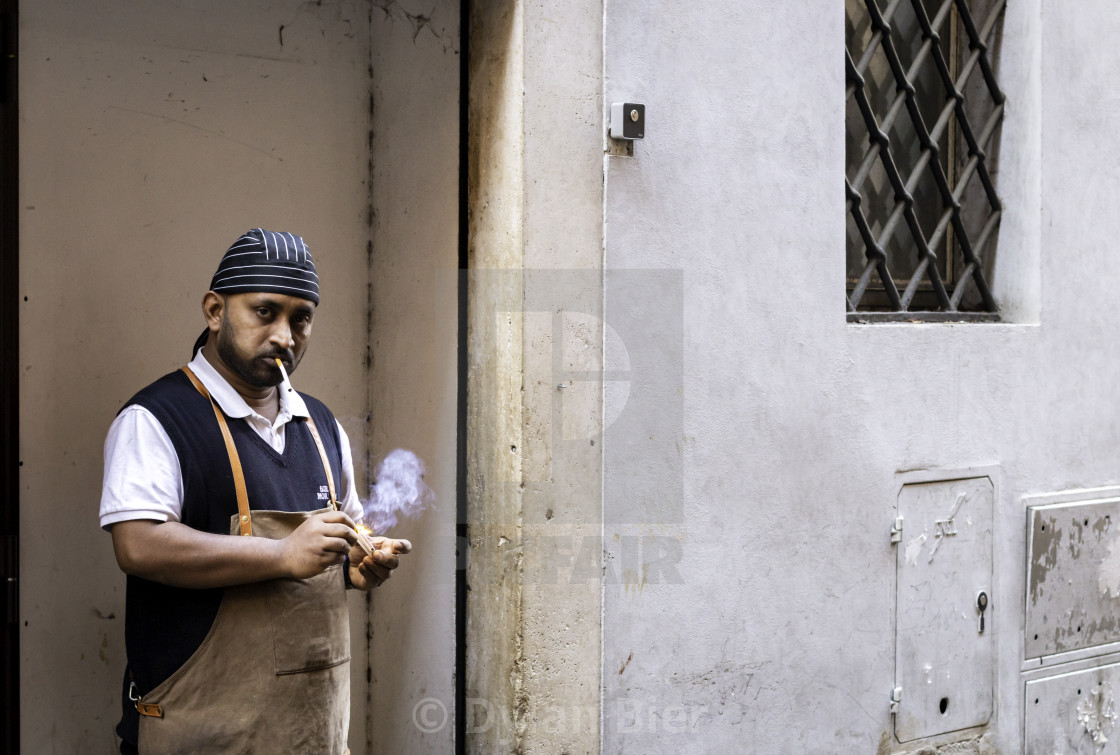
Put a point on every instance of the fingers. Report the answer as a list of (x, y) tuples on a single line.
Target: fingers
[(387, 560), (329, 550), (336, 545), (391, 545), (347, 534), (319, 542), (303, 557), (382, 559), (379, 566), (373, 571), (335, 517), (334, 524)]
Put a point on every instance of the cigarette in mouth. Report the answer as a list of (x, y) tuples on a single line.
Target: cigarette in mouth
[(284, 373)]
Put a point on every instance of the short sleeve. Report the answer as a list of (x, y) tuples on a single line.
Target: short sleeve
[(142, 476), (350, 502)]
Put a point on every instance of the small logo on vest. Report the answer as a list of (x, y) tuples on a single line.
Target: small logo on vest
[(324, 493)]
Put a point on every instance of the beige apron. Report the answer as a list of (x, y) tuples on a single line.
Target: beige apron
[(273, 674)]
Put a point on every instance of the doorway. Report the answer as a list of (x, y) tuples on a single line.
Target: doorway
[(152, 135)]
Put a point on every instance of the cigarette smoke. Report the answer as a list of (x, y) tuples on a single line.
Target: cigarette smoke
[(400, 491)]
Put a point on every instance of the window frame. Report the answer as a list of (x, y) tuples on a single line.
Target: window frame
[(965, 250)]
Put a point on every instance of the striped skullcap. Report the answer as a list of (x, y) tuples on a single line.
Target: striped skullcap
[(268, 261)]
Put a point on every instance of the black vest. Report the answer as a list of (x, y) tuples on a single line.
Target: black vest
[(164, 625)]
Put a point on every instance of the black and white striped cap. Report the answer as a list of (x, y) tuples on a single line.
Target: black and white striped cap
[(269, 261)]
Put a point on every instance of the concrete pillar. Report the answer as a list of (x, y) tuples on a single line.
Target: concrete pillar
[(535, 399)]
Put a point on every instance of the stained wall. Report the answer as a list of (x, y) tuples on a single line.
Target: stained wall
[(413, 376), (152, 135)]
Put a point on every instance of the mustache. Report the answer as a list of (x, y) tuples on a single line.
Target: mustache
[(285, 356)]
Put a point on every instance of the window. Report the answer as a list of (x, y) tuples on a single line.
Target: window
[(924, 112)]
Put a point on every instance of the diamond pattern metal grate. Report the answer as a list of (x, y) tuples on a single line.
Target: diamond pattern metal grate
[(922, 204)]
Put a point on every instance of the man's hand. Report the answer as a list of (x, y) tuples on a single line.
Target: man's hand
[(367, 572), (174, 554), (320, 542)]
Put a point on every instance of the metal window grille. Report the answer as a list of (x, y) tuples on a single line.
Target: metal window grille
[(923, 214)]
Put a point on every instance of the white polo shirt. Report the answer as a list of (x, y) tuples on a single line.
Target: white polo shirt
[(142, 476)]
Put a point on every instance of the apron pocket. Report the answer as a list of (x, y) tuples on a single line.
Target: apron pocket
[(310, 622)]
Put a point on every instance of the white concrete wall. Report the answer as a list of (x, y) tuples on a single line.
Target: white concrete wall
[(796, 425), (152, 135)]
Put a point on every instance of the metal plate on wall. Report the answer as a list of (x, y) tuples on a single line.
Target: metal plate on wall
[(1073, 714), (944, 660), (1073, 577)]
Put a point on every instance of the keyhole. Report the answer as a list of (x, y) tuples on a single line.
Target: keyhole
[(943, 706), (981, 606)]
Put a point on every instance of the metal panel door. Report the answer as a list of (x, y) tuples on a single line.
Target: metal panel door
[(944, 659), (1072, 713), (1073, 578)]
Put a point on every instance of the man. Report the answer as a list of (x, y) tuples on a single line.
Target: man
[(220, 495)]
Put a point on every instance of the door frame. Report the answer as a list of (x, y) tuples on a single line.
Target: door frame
[(9, 368)]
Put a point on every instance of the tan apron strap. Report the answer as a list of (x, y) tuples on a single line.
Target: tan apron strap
[(244, 520), (326, 462)]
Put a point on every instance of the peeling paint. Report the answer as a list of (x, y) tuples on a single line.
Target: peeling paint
[(1096, 713), (914, 548), (1044, 552), (1073, 585), (1108, 580)]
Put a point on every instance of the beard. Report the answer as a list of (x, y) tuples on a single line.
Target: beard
[(258, 369)]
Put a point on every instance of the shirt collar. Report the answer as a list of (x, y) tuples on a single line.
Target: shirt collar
[(230, 401)]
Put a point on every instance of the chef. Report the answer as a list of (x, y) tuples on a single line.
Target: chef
[(231, 503)]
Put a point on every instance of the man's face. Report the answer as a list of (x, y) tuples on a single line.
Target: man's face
[(259, 327)]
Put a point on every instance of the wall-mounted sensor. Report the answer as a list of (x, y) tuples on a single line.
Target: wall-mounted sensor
[(628, 120)]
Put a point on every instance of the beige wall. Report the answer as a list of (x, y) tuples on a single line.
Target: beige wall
[(413, 384), (152, 135)]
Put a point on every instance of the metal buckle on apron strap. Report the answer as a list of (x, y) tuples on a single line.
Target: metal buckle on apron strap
[(143, 708)]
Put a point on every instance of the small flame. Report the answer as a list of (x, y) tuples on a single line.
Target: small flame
[(363, 538)]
